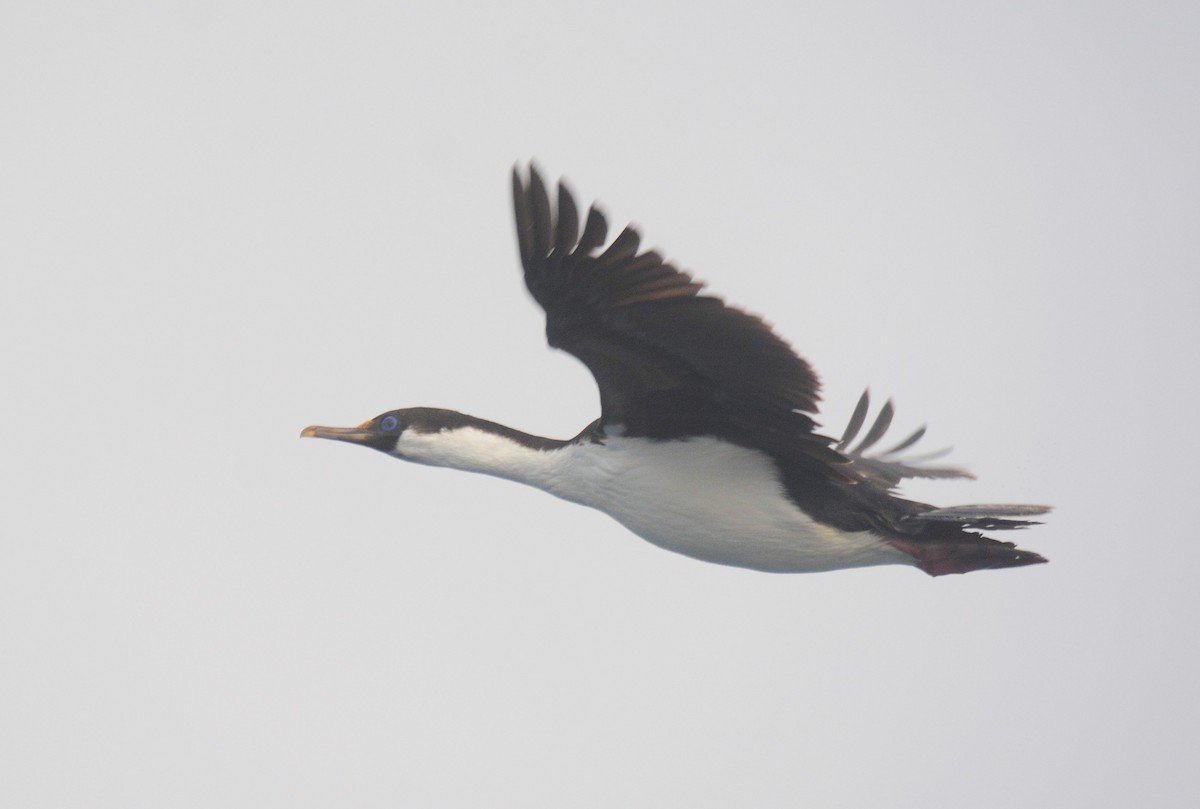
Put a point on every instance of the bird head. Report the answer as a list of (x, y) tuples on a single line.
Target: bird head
[(392, 432), (381, 433)]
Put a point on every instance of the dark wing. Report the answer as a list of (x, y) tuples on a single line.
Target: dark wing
[(889, 467), (669, 361)]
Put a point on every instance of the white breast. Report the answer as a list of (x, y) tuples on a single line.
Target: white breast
[(710, 500), (700, 497)]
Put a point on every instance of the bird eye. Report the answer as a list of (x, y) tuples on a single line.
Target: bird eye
[(388, 423)]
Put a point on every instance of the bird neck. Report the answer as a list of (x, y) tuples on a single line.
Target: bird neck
[(484, 448)]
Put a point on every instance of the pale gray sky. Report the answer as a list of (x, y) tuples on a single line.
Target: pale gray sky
[(225, 221)]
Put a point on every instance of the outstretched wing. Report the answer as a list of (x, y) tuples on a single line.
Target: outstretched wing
[(669, 361), (889, 467)]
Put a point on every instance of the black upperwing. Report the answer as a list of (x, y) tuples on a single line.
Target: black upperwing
[(669, 361)]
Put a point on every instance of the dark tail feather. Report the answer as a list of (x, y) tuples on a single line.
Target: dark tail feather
[(989, 517), (963, 552)]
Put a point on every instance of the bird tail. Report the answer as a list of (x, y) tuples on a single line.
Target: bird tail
[(943, 543)]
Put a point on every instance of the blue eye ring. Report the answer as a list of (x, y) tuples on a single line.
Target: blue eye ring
[(388, 423)]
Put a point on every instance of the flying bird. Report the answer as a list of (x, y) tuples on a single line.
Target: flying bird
[(706, 443)]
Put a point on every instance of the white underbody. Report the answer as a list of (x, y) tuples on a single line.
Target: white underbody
[(700, 497)]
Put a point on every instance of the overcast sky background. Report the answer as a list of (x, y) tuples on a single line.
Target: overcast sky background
[(221, 222)]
